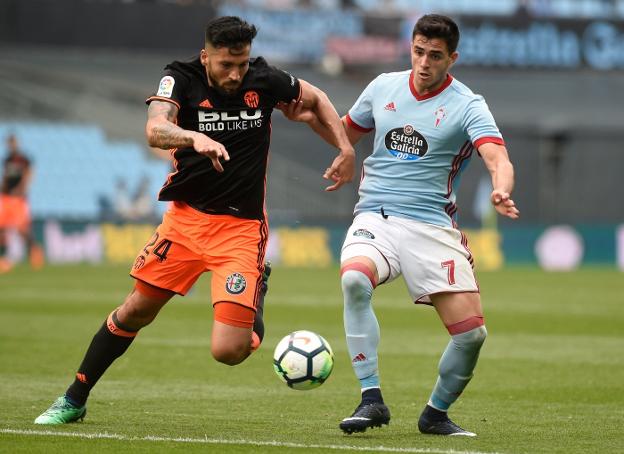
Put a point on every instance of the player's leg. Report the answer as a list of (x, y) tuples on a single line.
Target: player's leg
[(462, 315), (238, 328), (165, 266), (363, 266), (257, 334), (239, 286), (438, 269), (6, 221), (5, 264), (110, 342)]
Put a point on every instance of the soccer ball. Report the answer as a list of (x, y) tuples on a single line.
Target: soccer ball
[(303, 360)]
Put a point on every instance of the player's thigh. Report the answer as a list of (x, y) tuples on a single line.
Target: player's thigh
[(169, 260), (435, 260), (372, 236), (456, 307), (237, 265)]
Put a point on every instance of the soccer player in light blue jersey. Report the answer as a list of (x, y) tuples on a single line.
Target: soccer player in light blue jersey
[(427, 126)]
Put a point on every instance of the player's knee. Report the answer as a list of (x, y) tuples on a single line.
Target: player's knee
[(357, 286), (473, 339), (231, 354), (136, 313)]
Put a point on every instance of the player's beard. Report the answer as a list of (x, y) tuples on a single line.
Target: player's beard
[(225, 90)]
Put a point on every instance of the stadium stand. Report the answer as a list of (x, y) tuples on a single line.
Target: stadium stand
[(77, 168)]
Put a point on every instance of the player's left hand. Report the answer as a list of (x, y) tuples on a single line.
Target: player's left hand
[(341, 170), (503, 204)]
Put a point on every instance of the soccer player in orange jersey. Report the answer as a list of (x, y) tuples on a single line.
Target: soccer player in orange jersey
[(14, 209), (214, 113)]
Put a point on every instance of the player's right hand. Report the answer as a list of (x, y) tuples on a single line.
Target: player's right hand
[(212, 149), (503, 204)]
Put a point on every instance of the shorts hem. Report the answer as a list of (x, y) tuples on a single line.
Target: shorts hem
[(419, 300)]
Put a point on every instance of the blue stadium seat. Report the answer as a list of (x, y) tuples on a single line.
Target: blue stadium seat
[(75, 166)]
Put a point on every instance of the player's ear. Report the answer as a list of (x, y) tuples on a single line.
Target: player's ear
[(454, 57), (203, 57)]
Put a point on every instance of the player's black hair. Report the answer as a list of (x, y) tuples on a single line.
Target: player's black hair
[(438, 26), (230, 31)]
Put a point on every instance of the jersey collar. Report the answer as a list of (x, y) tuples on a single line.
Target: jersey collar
[(418, 97)]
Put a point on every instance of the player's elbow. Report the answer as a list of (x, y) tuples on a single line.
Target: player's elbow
[(150, 134)]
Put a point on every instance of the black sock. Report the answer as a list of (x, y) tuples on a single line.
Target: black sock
[(372, 395), (433, 414), (108, 344), (258, 326)]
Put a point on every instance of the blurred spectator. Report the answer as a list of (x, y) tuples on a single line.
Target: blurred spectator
[(14, 208), (136, 208), (143, 208), (122, 205)]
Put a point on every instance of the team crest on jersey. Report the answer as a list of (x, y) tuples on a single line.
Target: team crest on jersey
[(440, 114), (165, 88), (139, 262), (406, 143), (365, 233), (252, 99), (235, 284)]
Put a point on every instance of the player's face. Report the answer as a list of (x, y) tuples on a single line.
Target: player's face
[(225, 67), (430, 62)]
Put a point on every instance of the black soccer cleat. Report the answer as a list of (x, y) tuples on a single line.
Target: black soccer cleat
[(437, 422), (370, 414)]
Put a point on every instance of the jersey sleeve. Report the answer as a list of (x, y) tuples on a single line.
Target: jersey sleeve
[(360, 116), (479, 124), (171, 88), (286, 87)]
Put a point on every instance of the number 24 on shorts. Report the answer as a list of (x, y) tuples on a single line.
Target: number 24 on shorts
[(159, 250)]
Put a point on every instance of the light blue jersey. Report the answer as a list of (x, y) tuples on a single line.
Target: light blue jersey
[(422, 145)]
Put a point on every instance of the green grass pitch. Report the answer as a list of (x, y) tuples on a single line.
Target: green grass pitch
[(550, 378)]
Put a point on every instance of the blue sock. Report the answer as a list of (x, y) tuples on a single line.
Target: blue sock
[(456, 367), (361, 327)]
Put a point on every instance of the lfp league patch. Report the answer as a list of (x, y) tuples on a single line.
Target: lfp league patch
[(235, 284), (165, 87)]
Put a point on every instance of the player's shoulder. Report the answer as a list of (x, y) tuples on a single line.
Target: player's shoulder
[(461, 90), (188, 69), (259, 68), (393, 77)]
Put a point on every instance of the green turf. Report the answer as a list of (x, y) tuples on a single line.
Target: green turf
[(550, 378)]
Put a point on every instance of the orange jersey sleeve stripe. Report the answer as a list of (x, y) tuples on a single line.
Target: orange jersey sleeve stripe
[(160, 98)]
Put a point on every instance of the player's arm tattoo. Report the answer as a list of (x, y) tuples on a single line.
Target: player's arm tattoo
[(161, 130)]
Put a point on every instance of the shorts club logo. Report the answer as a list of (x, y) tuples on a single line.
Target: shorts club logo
[(365, 233), (139, 262), (235, 284)]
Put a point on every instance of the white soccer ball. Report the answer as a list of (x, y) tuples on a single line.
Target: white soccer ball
[(303, 359)]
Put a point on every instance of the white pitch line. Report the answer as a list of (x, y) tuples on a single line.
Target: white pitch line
[(219, 441)]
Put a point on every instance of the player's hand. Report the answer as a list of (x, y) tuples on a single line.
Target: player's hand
[(341, 170), (295, 111), (205, 146), (503, 204)]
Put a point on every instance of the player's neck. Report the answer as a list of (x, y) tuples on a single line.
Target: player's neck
[(424, 90)]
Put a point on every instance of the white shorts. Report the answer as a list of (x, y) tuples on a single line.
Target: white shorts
[(432, 259)]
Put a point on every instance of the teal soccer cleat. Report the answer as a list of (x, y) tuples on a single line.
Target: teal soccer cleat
[(62, 412)]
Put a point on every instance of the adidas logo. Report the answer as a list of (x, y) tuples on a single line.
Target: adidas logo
[(359, 357), (390, 106), (205, 103)]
